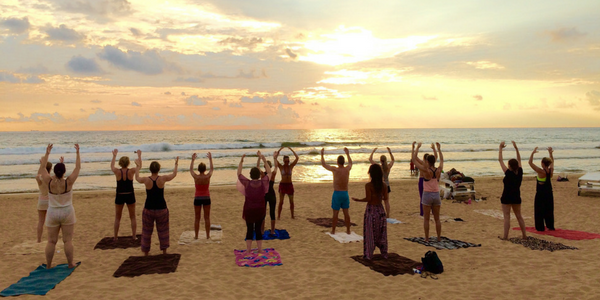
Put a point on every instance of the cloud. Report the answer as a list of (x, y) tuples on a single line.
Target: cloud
[(291, 54), (135, 104), (562, 103), (216, 108), (593, 97), (249, 43), (429, 98), (149, 62), (96, 101), (283, 99), (255, 99), (167, 93), (62, 33), (36, 117), (565, 34), (189, 79), (100, 10), (33, 79), (235, 104), (80, 64), (484, 64), (478, 97), (287, 113), (196, 101), (15, 25), (135, 32), (182, 93), (100, 115), (82, 110), (39, 69), (7, 77)]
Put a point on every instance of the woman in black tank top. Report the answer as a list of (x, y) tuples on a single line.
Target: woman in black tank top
[(270, 196), (125, 193)]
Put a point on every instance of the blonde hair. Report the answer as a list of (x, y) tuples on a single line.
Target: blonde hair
[(546, 162), (124, 161)]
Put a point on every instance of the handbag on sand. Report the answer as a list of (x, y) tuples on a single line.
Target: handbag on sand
[(432, 263)]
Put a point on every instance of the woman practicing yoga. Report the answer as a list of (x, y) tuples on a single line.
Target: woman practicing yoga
[(286, 186), (270, 197), (42, 205), (385, 166), (254, 190), (544, 198), (125, 193), (202, 195), (155, 208), (511, 195), (420, 173), (60, 214), (431, 190), (375, 221)]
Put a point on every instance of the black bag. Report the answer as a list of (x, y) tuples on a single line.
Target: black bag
[(432, 263)]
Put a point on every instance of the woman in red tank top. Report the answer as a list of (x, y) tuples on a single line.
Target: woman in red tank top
[(202, 195)]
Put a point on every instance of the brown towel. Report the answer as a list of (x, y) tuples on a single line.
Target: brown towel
[(123, 242), (393, 265), (156, 264), (327, 222), (539, 244)]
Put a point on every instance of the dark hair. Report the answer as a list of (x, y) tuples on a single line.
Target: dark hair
[(286, 157), (255, 173), (59, 170), (341, 160), (376, 177), (124, 161), (425, 156), (154, 167), (384, 165), (201, 168), (513, 165), (431, 160), (48, 166), (546, 162)]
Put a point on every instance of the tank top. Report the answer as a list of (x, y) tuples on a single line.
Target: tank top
[(431, 185), (60, 200), (202, 190), (124, 185), (155, 197)]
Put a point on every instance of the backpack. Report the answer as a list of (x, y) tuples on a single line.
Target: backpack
[(432, 263)]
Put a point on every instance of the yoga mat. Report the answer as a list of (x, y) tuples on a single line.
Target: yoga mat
[(445, 243), (155, 264), (189, 237), (564, 233), (393, 265), (327, 222), (269, 257), (345, 238), (123, 242), (33, 247), (539, 244), (40, 281)]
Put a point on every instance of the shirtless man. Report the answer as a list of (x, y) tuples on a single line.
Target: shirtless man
[(340, 198), (286, 187)]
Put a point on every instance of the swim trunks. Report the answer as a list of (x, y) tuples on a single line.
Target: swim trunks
[(340, 199)]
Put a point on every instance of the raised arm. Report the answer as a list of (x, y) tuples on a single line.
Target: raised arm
[(112, 162), (371, 157), (138, 165), (45, 177), (174, 174), (275, 165), (210, 162), (241, 165), (75, 172), (276, 161), (500, 159), (441, 166), (192, 172), (518, 154), (415, 159), (349, 158), (392, 160), (435, 154), (326, 166), (267, 167), (551, 167), (532, 165), (296, 158)]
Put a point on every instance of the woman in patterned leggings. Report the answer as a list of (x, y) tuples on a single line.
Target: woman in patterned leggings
[(155, 208)]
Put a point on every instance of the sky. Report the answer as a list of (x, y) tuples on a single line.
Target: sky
[(238, 64)]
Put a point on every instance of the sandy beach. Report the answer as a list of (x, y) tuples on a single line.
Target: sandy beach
[(314, 265)]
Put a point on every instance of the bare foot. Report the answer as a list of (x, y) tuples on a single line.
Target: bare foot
[(115, 239), (165, 251), (348, 232), (134, 238), (48, 267), (524, 237), (503, 238), (333, 232), (145, 253), (71, 266)]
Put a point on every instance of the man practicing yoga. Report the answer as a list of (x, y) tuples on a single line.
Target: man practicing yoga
[(286, 187), (340, 198)]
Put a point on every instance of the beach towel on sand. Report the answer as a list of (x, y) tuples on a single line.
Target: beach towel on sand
[(33, 247), (345, 238), (494, 213), (327, 222), (393, 265), (189, 237), (280, 234), (40, 281), (445, 243), (155, 264), (269, 257), (564, 233), (539, 244), (123, 242)]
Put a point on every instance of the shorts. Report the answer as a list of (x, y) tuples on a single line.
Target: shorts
[(42, 203), (59, 216), (340, 199), (286, 188), (122, 199), (201, 200), (431, 199)]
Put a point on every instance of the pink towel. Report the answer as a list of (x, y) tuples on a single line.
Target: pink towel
[(564, 233), (269, 257)]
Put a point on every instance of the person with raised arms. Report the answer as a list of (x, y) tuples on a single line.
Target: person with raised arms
[(202, 195), (61, 213), (544, 197), (125, 193), (42, 206), (386, 168), (420, 184), (340, 198), (270, 196), (286, 186), (155, 208), (511, 194), (431, 190)]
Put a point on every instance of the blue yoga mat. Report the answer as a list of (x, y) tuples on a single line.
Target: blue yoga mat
[(40, 281), (280, 234)]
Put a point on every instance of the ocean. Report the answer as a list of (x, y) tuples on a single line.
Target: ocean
[(471, 151)]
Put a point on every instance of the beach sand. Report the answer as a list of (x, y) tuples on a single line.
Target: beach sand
[(314, 265)]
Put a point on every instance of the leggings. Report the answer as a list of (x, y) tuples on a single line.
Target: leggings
[(271, 200), (252, 229), (421, 194), (149, 216)]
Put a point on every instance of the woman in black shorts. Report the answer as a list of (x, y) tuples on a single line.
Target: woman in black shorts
[(511, 195), (270, 197), (125, 194)]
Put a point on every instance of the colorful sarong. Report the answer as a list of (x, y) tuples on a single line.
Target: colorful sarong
[(149, 216)]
